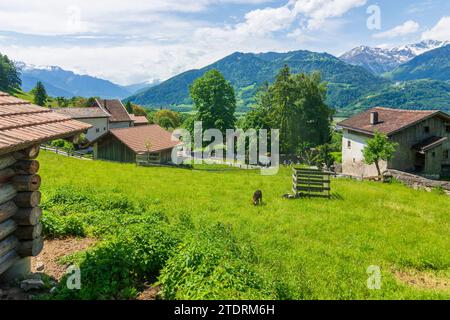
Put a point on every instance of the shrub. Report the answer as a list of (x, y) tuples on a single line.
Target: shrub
[(212, 265), (115, 268)]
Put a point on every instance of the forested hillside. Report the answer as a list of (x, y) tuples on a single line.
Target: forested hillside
[(247, 72)]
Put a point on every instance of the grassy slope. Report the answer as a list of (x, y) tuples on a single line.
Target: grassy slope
[(320, 248)]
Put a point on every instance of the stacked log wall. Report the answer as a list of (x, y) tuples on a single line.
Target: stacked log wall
[(20, 229)]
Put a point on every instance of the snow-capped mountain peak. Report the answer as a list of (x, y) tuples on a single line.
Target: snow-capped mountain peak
[(380, 60)]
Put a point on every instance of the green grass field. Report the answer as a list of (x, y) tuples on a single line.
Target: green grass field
[(318, 248)]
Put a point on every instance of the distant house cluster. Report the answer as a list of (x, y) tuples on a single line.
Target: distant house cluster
[(423, 139), (119, 136), (104, 115)]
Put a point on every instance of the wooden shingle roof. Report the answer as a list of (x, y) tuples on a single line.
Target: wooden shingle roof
[(23, 124), (390, 121), (137, 138), (115, 108)]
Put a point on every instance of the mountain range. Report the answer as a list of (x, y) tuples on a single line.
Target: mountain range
[(248, 71), (62, 83), (381, 60), (415, 76)]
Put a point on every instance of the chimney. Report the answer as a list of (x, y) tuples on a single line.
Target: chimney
[(373, 118), (104, 103)]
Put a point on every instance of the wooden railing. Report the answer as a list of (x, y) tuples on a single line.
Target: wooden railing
[(66, 152)]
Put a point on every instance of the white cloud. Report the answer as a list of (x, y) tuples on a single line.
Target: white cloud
[(318, 11), (56, 17), (404, 29), (137, 40), (441, 31)]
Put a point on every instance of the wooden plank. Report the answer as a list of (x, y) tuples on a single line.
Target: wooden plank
[(313, 177), (7, 228), (311, 183), (7, 210), (31, 248), (8, 260), (312, 174), (28, 232), (28, 216), (313, 189), (307, 169), (27, 182), (28, 199), (26, 167), (8, 244), (7, 193)]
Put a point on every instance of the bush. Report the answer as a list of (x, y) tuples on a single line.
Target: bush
[(118, 266), (212, 265), (61, 143)]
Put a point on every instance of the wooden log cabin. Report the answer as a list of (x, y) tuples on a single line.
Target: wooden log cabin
[(23, 127)]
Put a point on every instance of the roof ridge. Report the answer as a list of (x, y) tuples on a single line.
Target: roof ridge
[(406, 110)]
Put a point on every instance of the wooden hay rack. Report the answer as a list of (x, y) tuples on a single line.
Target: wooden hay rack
[(308, 182)]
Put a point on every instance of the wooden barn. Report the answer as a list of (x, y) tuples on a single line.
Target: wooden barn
[(150, 144), (23, 127)]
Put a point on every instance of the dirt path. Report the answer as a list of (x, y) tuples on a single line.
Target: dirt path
[(47, 261), (47, 264)]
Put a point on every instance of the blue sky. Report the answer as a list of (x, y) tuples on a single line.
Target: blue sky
[(141, 40)]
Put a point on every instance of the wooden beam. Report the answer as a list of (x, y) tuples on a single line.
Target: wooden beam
[(7, 210), (26, 167), (8, 244), (6, 175), (8, 260), (27, 182), (29, 232), (28, 199), (7, 228), (28, 216), (28, 153), (7, 193), (31, 248), (7, 161)]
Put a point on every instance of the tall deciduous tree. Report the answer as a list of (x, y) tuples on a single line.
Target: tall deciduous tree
[(379, 148), (40, 94), (295, 105), (167, 118), (214, 100)]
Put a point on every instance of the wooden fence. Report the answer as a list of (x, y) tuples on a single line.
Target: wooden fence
[(311, 183), (66, 152)]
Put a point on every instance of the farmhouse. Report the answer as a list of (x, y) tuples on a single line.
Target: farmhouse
[(147, 143), (120, 118), (98, 118), (423, 139), (23, 127)]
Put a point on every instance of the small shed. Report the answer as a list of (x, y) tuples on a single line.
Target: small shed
[(23, 127), (150, 143)]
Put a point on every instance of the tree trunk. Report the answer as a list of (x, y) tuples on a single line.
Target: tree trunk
[(378, 168)]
